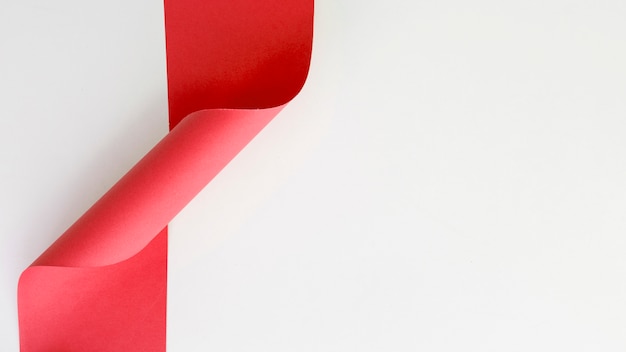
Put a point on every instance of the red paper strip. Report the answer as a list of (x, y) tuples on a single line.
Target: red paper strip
[(232, 65)]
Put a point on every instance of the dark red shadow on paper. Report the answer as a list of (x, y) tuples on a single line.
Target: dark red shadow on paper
[(232, 65)]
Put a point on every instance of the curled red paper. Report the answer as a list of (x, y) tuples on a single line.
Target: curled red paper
[(232, 65)]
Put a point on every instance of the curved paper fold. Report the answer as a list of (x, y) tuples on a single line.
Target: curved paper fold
[(232, 65)]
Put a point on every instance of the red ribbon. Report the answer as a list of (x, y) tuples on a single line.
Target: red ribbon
[(232, 65)]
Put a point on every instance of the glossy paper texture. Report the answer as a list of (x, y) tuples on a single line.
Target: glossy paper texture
[(232, 65)]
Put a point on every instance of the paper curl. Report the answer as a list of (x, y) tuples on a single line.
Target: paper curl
[(232, 65)]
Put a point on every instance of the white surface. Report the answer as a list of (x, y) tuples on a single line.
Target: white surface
[(82, 97), (451, 178)]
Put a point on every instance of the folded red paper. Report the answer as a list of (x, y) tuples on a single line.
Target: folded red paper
[(231, 65)]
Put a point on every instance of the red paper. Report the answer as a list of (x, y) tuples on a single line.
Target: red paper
[(232, 65)]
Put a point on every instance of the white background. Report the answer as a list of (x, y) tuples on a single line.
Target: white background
[(451, 178)]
